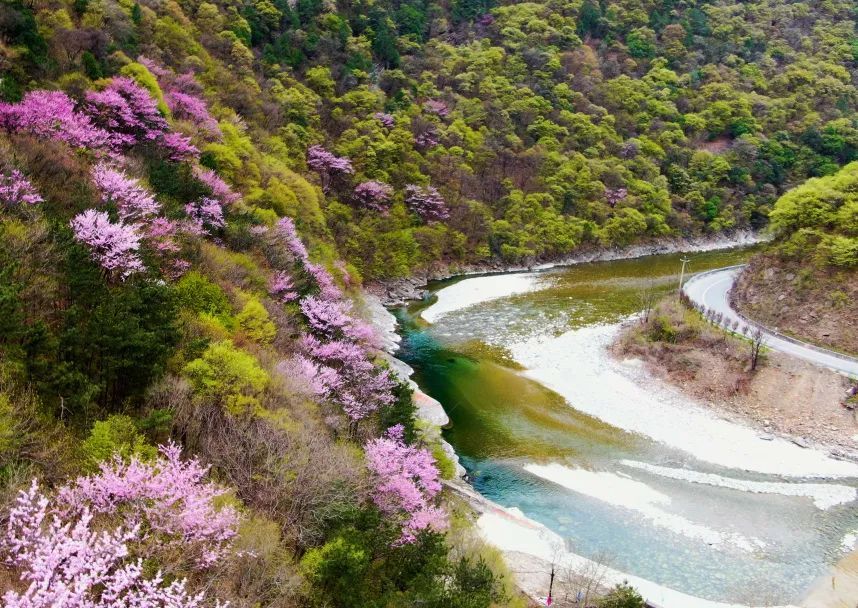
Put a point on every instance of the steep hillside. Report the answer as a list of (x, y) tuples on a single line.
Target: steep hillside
[(519, 131), (192, 193), (191, 409), (807, 283)]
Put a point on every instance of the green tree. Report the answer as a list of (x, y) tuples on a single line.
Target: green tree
[(117, 435), (622, 596), (230, 376)]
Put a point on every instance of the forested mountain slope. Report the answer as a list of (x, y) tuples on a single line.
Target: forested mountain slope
[(191, 194), (543, 126), (807, 281)]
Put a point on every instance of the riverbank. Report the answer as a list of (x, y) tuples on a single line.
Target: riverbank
[(530, 572), (429, 410), (784, 396), (401, 291), (838, 588), (532, 551), (627, 399)]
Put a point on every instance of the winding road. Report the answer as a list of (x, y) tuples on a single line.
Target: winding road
[(711, 289)]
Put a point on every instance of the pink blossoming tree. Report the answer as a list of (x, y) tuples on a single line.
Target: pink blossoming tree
[(52, 115), (115, 247), (282, 287), (327, 164), (355, 384), (16, 189), (178, 146), (131, 117), (68, 563), (426, 202), (615, 195), (427, 138), (373, 195), (218, 188), (332, 319), (287, 231), (406, 484), (127, 111), (308, 377), (132, 201), (65, 556), (323, 279), (385, 119), (169, 495), (206, 215), (160, 234), (193, 109), (436, 107)]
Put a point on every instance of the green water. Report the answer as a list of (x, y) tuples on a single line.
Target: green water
[(496, 411), (503, 421)]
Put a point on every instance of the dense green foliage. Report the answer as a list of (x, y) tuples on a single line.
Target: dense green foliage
[(819, 220), (560, 125), (623, 596), (463, 133), (806, 282)]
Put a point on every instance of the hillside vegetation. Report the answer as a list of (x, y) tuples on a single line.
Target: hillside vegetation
[(539, 126), (807, 282), (192, 409)]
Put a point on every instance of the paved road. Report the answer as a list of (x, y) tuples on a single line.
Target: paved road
[(711, 288)]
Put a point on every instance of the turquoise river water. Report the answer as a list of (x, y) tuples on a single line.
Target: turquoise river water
[(617, 495)]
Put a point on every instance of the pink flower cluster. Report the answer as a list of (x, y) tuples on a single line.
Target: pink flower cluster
[(110, 121), (16, 189), (337, 365), (183, 95), (68, 563), (169, 495), (437, 107), (282, 287), (114, 246), (321, 160), (68, 559), (373, 195), (427, 138), (287, 231), (218, 188), (206, 215), (116, 118), (307, 376), (178, 146), (324, 281), (52, 115), (345, 375), (615, 195), (426, 202), (130, 115), (194, 109), (332, 319), (407, 483), (133, 202), (385, 119)]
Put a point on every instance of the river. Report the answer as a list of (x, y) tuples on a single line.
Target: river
[(623, 469)]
